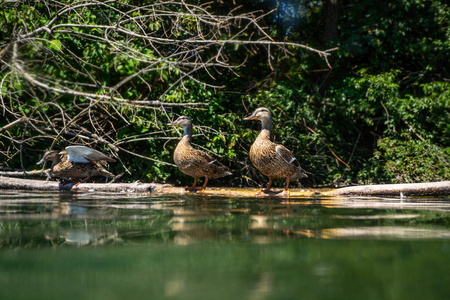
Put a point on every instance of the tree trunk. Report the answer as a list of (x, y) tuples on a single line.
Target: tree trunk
[(330, 33), (332, 8)]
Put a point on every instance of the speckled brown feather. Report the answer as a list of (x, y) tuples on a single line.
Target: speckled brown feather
[(193, 162), (266, 159), (271, 159), (63, 168), (197, 163)]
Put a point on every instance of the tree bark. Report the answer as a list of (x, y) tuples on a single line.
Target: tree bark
[(330, 33), (332, 9)]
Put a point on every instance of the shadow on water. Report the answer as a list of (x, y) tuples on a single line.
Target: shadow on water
[(112, 246)]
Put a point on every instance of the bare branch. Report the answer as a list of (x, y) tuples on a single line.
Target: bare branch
[(12, 124), (98, 65)]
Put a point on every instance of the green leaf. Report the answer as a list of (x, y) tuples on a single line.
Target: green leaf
[(55, 45)]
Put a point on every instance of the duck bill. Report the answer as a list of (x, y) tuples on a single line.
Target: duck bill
[(41, 161), (249, 118), (172, 124)]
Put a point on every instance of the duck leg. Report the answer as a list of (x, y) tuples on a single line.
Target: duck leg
[(193, 187), (268, 185), (286, 193), (267, 189), (84, 180), (204, 185)]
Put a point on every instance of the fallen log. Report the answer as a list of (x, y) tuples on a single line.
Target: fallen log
[(439, 188), (42, 185)]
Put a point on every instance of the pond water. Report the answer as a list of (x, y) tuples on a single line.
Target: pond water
[(109, 246)]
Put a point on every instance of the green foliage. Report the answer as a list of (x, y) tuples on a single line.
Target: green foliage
[(381, 114), (414, 129), (405, 160)]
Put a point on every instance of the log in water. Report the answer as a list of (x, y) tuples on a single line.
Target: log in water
[(408, 189)]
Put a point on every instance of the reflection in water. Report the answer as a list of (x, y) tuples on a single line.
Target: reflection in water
[(385, 203), (90, 235), (194, 247), (262, 286), (397, 232), (76, 219)]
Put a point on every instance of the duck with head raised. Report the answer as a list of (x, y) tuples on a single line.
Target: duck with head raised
[(273, 160), (77, 163), (193, 162)]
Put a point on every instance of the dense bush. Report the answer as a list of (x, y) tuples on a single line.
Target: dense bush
[(380, 115)]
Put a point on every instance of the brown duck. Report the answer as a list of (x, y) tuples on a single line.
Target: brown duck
[(77, 163), (193, 162), (273, 160)]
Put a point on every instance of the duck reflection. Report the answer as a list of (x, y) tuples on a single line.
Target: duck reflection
[(93, 236), (191, 226), (65, 219), (80, 231), (63, 209), (210, 219), (271, 221)]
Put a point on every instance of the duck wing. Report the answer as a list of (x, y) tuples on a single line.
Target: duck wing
[(209, 164), (203, 158), (287, 156), (82, 154)]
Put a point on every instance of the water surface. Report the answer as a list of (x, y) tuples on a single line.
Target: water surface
[(112, 246)]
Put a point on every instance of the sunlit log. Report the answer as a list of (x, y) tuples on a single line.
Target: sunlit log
[(397, 190)]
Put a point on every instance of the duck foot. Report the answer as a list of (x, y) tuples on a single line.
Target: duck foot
[(65, 181), (284, 194), (192, 189), (264, 193)]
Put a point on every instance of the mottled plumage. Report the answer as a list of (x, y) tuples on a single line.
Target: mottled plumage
[(273, 160), (77, 163), (193, 162)]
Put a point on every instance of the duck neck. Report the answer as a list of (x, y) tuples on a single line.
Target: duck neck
[(54, 163), (265, 128), (187, 133)]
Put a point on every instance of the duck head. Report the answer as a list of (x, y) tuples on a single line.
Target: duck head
[(185, 123), (182, 121), (51, 155), (261, 114)]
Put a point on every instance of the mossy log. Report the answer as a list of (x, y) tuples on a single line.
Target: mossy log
[(410, 189)]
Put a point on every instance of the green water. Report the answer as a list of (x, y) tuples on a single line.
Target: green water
[(80, 246)]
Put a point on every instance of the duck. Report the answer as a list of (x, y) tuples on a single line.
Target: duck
[(77, 163), (272, 160), (194, 162)]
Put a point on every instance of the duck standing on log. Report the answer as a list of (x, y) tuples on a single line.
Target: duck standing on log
[(193, 162), (273, 160), (77, 163)]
